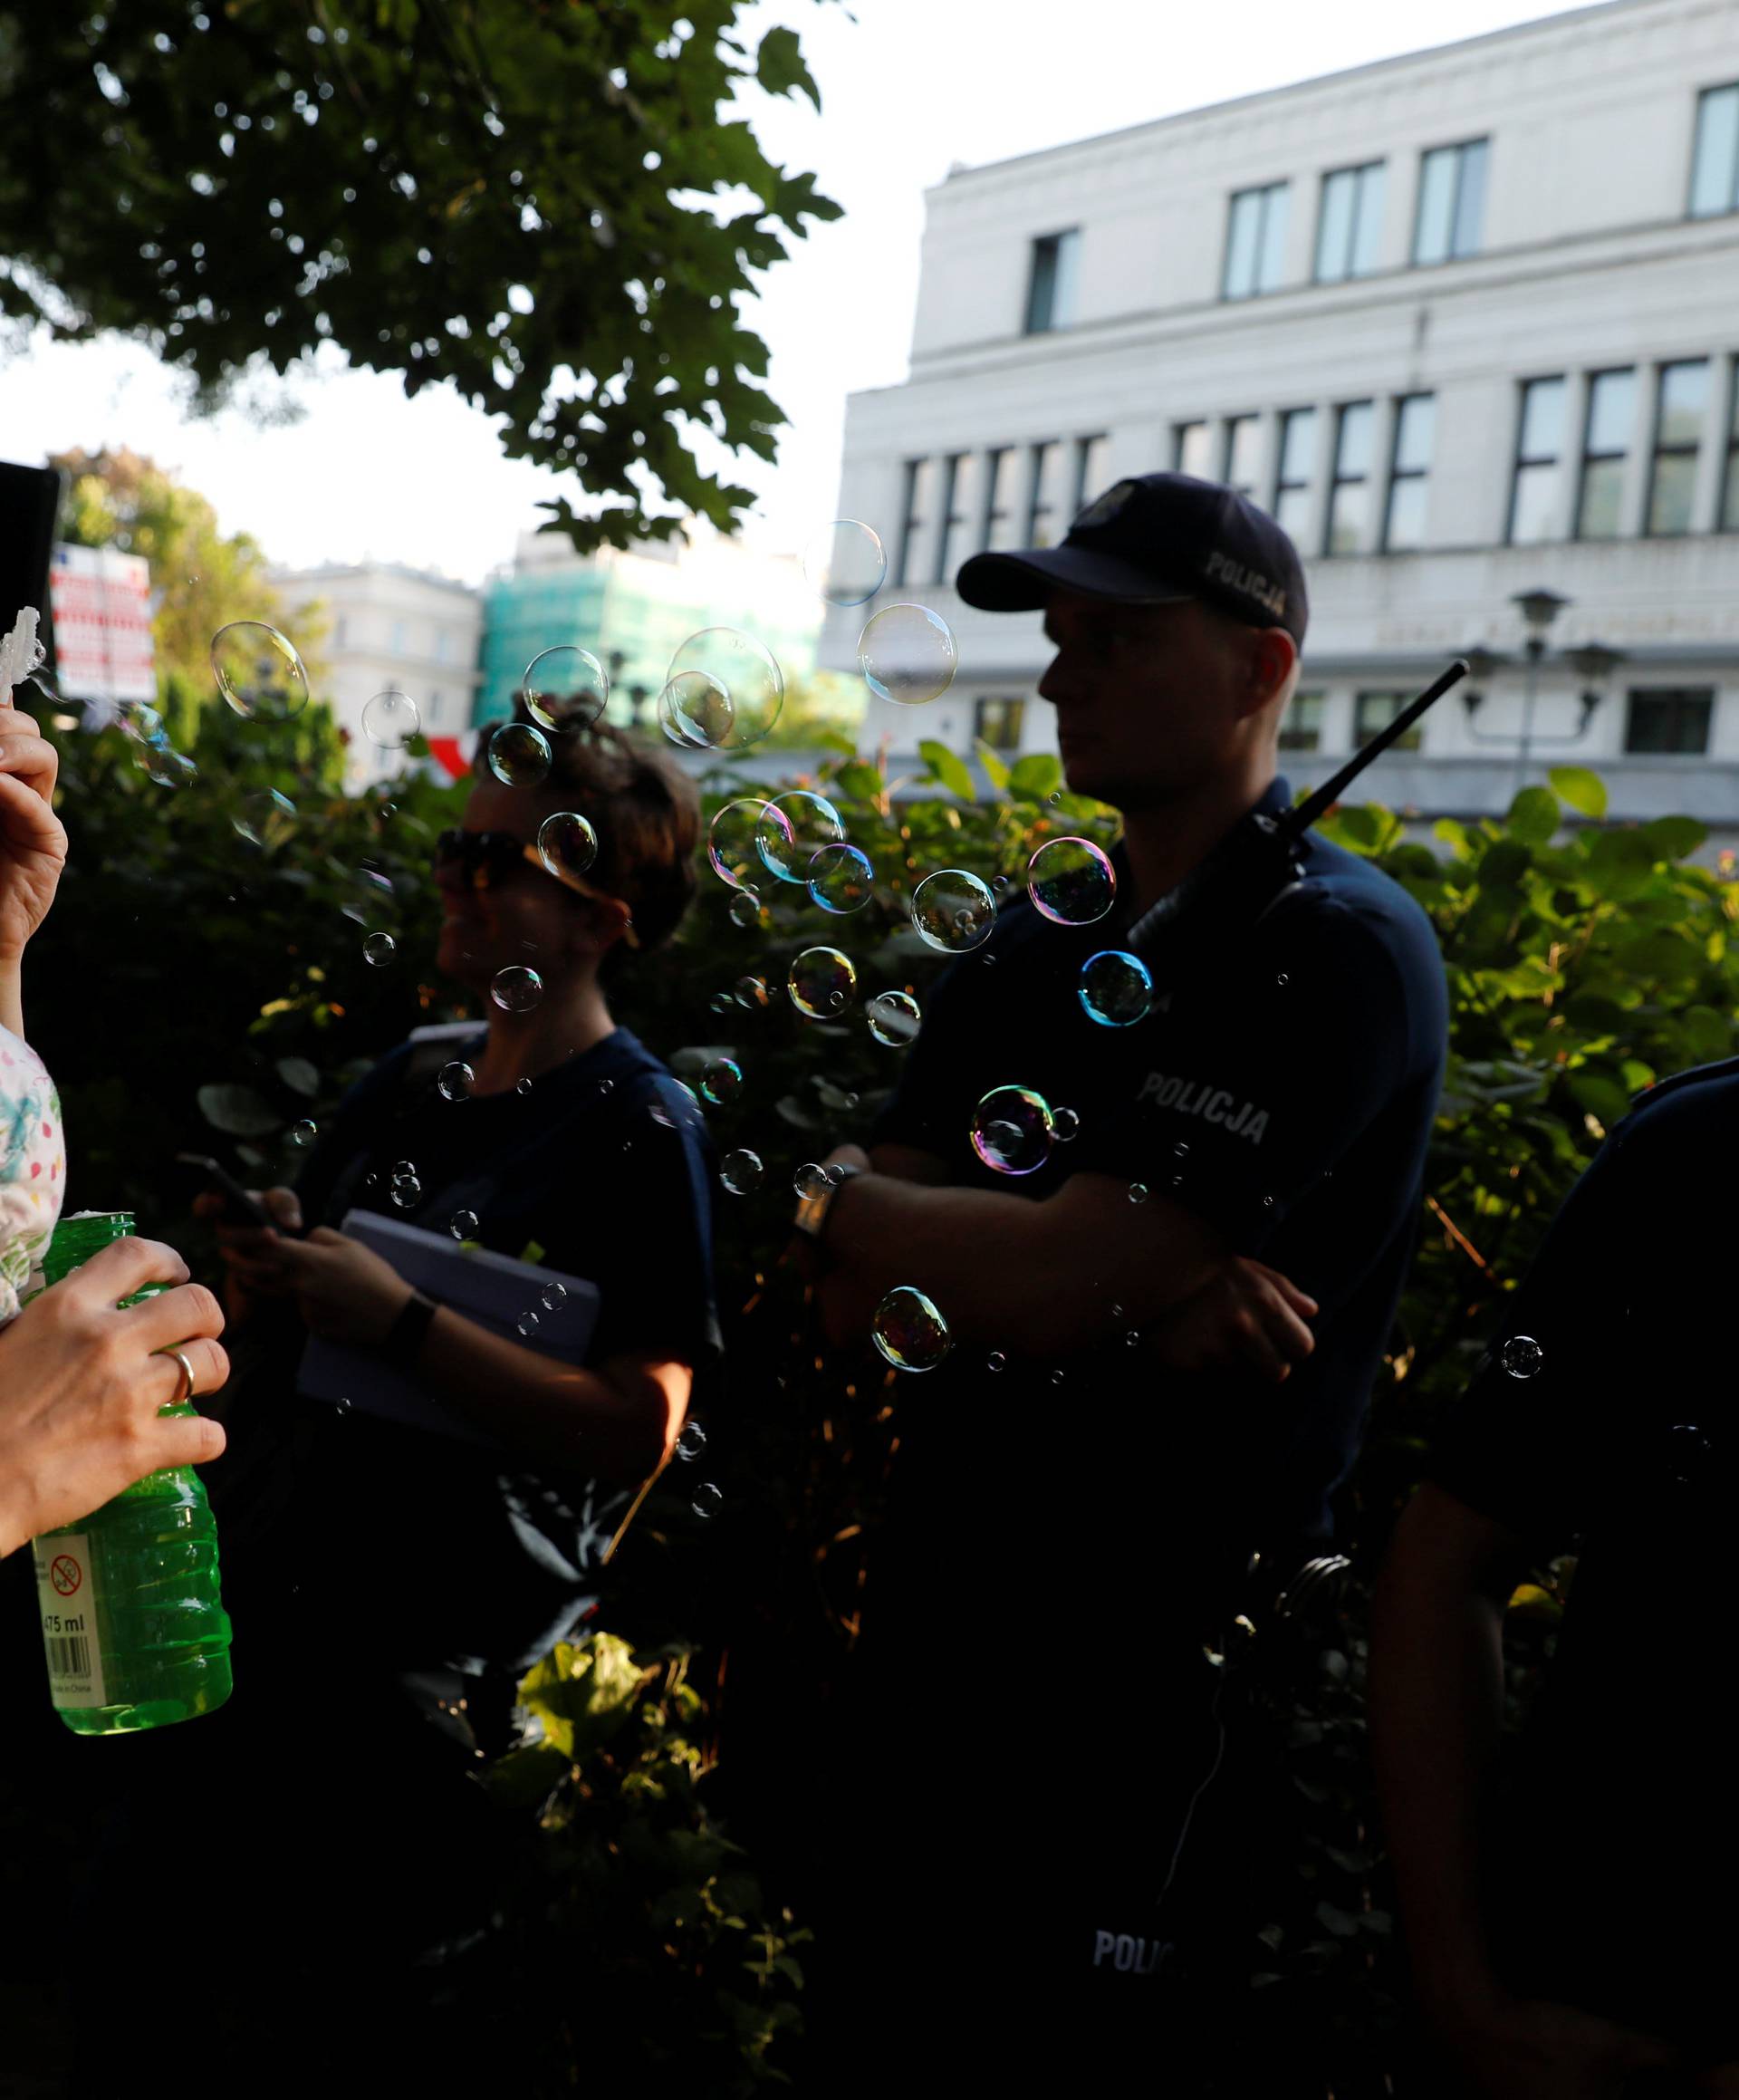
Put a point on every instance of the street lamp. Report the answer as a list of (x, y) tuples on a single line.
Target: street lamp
[(1592, 661), (1538, 608)]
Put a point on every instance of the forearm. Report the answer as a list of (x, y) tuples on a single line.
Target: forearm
[(12, 1004), (1436, 1715), (552, 1413)]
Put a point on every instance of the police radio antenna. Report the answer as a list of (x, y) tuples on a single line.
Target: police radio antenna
[(1296, 822)]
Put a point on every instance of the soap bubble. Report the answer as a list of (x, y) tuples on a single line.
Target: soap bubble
[(456, 1081), (822, 982), (167, 768), (691, 1441), (379, 947), (1522, 1356), (1072, 881), (751, 993), (845, 561), (1012, 1129), (840, 880), (516, 989), (265, 819), (1137, 1191), (371, 895), (707, 1501), (722, 1082), (909, 1331), (1064, 1124), (953, 911), (995, 1360), (685, 1115), (553, 1295), (907, 653), (527, 1322), (407, 1193), (564, 688), (745, 908), (141, 721), (463, 1225), (893, 1018), (1115, 987), (695, 713), (800, 823), (518, 755), (390, 719), (721, 1002), (566, 845), (733, 836), (524, 1086), (810, 1181), (258, 672), (741, 1172), (744, 669), (302, 1132)]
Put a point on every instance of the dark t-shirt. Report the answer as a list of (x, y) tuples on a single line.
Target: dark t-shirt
[(410, 1551), (1603, 1417)]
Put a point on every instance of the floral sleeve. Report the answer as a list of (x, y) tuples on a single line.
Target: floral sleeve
[(32, 1168)]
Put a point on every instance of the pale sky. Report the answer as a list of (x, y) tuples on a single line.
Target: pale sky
[(908, 88)]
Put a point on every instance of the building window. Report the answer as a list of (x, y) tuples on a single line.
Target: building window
[(1373, 712), (998, 723), (918, 497), (1730, 474), (1715, 164), (1243, 440), (1255, 241), (1350, 223), (957, 506), (1451, 202), (1301, 728), (342, 633), (1671, 718), (1052, 281), (1297, 469), (1606, 446), (1043, 497), (434, 710), (1409, 472), (1681, 402), (1539, 460), (1192, 449), (1089, 470), (398, 638), (1350, 497), (997, 530), (442, 642)]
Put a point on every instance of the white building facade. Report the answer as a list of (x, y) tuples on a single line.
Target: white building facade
[(1466, 321), (389, 627)]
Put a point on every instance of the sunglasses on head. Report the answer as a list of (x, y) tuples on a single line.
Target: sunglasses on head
[(486, 857)]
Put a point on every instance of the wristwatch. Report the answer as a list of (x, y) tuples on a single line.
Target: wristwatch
[(812, 1212), (403, 1341)]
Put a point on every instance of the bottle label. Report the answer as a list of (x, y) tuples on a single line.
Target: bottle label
[(66, 1593)]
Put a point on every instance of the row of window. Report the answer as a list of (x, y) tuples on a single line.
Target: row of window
[(1673, 720), (1448, 217), (1012, 495), (399, 641)]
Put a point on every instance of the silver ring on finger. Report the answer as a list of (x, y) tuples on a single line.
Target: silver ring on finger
[(181, 1400)]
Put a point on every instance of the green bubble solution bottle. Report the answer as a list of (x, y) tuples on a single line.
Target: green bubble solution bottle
[(135, 1630)]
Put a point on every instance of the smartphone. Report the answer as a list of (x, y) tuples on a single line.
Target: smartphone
[(239, 1207)]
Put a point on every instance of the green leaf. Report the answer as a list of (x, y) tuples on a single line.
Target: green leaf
[(995, 771), (860, 780), (1585, 792), (299, 1075), (948, 768), (238, 1112), (1360, 827), (779, 66), (1673, 838), (1533, 815), (1036, 776)]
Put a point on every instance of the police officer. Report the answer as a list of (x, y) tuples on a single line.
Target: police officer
[(1570, 1916), (1162, 1335)]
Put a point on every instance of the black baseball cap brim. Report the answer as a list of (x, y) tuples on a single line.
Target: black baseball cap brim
[(1022, 582)]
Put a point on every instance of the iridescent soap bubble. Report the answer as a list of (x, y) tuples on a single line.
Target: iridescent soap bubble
[(527, 1322), (167, 768), (733, 838), (810, 1180), (407, 1193), (953, 911), (744, 669), (800, 823), (685, 1113), (1522, 1356), (518, 754), (1064, 1124), (463, 1225), (391, 719), (564, 688), (1012, 1129), (1072, 881), (265, 819), (707, 1501), (751, 993), (691, 1441), (1137, 1191), (840, 880), (893, 1018), (379, 949), (995, 1360), (844, 560), (302, 1132), (553, 1295), (141, 722), (721, 1002), (371, 895), (907, 653), (822, 982), (566, 843), (722, 1082), (745, 908), (524, 1086), (454, 1081), (909, 1331), (1115, 988), (517, 989), (695, 713), (741, 1172), (258, 672)]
